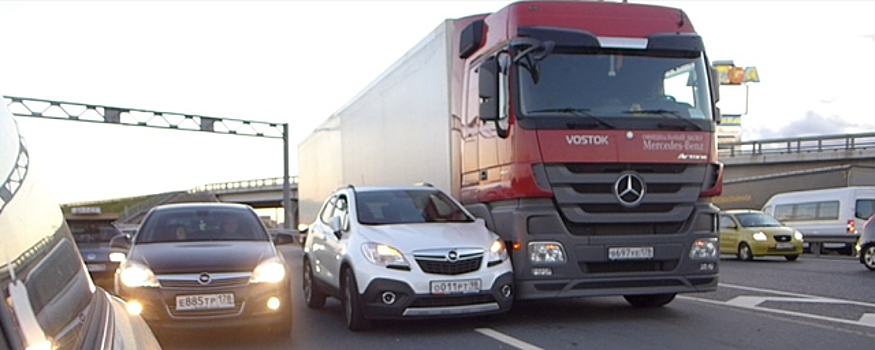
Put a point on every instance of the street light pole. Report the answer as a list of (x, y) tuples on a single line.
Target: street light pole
[(287, 194)]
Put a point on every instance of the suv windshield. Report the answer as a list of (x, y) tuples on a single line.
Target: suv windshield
[(757, 220), (190, 225), (617, 83), (407, 207)]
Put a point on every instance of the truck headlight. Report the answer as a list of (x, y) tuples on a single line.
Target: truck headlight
[(546, 252), (136, 275), (760, 237), (797, 235), (268, 271), (497, 251), (383, 255), (705, 248)]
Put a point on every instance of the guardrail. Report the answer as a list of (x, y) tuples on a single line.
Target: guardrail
[(845, 142), (244, 185)]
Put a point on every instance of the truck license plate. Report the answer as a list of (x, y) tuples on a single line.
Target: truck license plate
[(455, 287), (205, 302), (630, 253)]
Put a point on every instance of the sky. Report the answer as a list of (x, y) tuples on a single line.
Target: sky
[(298, 62)]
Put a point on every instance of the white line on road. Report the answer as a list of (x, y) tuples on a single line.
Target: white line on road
[(751, 302), (868, 319), (504, 338), (779, 292)]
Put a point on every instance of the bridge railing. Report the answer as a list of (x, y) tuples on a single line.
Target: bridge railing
[(244, 185), (845, 142)]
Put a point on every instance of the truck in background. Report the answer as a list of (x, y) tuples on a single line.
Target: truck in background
[(582, 132)]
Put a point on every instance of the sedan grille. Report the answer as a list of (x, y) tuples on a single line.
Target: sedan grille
[(232, 279)]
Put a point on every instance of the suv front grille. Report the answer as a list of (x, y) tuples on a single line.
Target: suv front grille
[(454, 300), (450, 268)]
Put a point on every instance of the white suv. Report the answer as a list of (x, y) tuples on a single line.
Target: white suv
[(403, 252)]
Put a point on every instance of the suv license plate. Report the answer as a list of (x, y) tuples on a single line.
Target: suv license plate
[(205, 302), (630, 253), (455, 287)]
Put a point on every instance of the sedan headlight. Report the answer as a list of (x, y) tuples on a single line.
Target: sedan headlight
[(268, 271), (760, 237), (117, 257), (383, 255), (705, 248), (797, 235), (546, 252), (497, 251), (136, 275)]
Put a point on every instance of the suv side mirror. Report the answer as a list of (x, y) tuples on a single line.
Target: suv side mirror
[(121, 241), (336, 226)]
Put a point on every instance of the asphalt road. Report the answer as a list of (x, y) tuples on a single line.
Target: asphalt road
[(813, 303)]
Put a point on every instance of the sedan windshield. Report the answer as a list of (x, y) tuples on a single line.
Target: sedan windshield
[(190, 224), (757, 220), (407, 207), (616, 84)]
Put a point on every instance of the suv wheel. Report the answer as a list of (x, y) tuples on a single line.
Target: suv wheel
[(312, 295), (868, 257), (352, 305)]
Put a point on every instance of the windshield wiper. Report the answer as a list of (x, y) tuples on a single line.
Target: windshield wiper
[(667, 112), (578, 112)]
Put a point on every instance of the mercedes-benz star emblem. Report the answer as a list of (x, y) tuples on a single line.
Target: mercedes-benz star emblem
[(629, 189), (453, 256), (204, 278)]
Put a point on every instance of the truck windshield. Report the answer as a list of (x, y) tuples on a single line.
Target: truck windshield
[(618, 83), (407, 207)]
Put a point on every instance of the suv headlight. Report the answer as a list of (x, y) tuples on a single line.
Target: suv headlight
[(268, 271), (760, 237), (797, 235), (383, 255), (136, 275), (546, 252), (497, 251), (705, 248)]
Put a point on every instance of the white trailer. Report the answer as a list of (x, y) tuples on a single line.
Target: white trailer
[(397, 131)]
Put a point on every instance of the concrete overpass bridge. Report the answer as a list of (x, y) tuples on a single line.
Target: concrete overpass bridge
[(756, 170)]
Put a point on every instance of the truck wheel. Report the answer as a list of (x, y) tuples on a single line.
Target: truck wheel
[(868, 257), (791, 257), (744, 252), (352, 304), (312, 295), (650, 300)]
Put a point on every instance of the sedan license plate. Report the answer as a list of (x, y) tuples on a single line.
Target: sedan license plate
[(455, 287), (630, 253), (205, 302), (784, 246)]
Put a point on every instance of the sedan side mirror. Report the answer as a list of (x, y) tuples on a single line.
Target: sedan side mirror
[(121, 241), (281, 238)]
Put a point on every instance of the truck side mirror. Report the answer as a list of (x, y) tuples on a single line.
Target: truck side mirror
[(489, 90), (715, 85)]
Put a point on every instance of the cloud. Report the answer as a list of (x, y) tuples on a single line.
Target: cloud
[(816, 124), (869, 36)]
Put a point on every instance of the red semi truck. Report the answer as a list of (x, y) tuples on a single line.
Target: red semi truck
[(582, 132)]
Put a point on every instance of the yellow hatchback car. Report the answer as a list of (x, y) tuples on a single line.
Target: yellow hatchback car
[(752, 233)]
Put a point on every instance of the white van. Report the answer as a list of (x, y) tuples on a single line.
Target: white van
[(830, 216)]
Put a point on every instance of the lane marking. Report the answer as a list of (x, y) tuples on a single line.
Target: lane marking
[(504, 338), (809, 296), (868, 319), (750, 303)]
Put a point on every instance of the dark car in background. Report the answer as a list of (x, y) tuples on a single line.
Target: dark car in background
[(48, 298), (207, 265), (94, 232)]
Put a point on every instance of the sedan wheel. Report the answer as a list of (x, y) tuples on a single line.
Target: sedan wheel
[(744, 252), (869, 257), (791, 257)]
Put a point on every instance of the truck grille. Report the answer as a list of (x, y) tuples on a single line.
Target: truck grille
[(628, 266), (589, 205)]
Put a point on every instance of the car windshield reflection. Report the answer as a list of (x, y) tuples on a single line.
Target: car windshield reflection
[(193, 225), (407, 207)]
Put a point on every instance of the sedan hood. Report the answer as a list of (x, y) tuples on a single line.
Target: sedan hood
[(197, 257), (774, 231), (411, 237)]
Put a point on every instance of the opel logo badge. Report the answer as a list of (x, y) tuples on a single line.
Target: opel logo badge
[(204, 278), (629, 189), (453, 256)]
